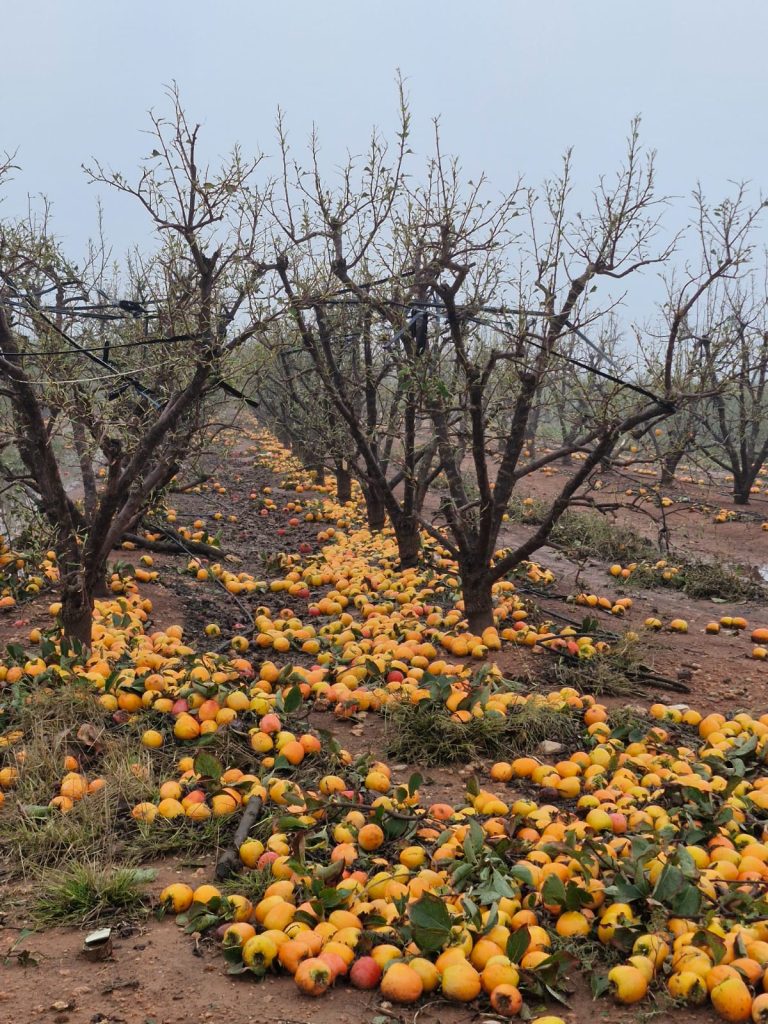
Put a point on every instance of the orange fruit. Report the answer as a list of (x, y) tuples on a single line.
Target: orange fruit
[(370, 837), (177, 897), (401, 983), (506, 1000), (461, 982)]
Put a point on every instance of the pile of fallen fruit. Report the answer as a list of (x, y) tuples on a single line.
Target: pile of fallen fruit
[(641, 846)]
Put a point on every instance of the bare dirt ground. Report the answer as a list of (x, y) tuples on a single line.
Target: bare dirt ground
[(159, 975)]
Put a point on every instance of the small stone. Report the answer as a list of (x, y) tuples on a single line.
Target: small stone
[(61, 1004), (549, 747)]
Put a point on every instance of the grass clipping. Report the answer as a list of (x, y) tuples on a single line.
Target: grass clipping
[(427, 733), (85, 893)]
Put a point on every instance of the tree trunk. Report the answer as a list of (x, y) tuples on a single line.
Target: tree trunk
[(97, 579), (76, 608), (478, 600), (374, 509), (86, 468), (343, 485), (669, 464), (408, 541), (741, 493), (533, 429)]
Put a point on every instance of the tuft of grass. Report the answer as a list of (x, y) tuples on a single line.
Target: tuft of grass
[(599, 676), (98, 827), (84, 892), (611, 674), (702, 580), (31, 841), (586, 533), (251, 884), (179, 837), (426, 734), (591, 954), (583, 534), (711, 579)]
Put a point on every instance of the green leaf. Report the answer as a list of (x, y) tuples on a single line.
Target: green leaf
[(394, 827), (431, 923), (414, 783), (289, 823), (687, 863), (493, 920), (305, 918), (599, 984), (37, 810), (626, 892), (713, 942), (202, 923), (471, 912), (208, 766), (461, 871), (494, 888), (143, 876), (668, 883), (522, 873), (473, 787), (553, 891), (237, 968), (576, 897), (518, 943), (292, 700), (687, 903), (473, 842), (233, 954)]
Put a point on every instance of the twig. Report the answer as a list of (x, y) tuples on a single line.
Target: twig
[(230, 859), (173, 546)]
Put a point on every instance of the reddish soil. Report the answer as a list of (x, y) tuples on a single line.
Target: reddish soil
[(157, 974)]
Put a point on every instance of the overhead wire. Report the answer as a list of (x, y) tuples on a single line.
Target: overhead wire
[(415, 308)]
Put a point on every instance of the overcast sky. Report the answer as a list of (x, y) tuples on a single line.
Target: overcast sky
[(514, 83)]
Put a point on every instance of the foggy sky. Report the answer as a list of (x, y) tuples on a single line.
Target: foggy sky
[(514, 84)]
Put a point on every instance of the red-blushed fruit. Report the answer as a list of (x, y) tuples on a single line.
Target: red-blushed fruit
[(401, 983), (313, 976), (365, 973), (506, 1000), (334, 961)]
